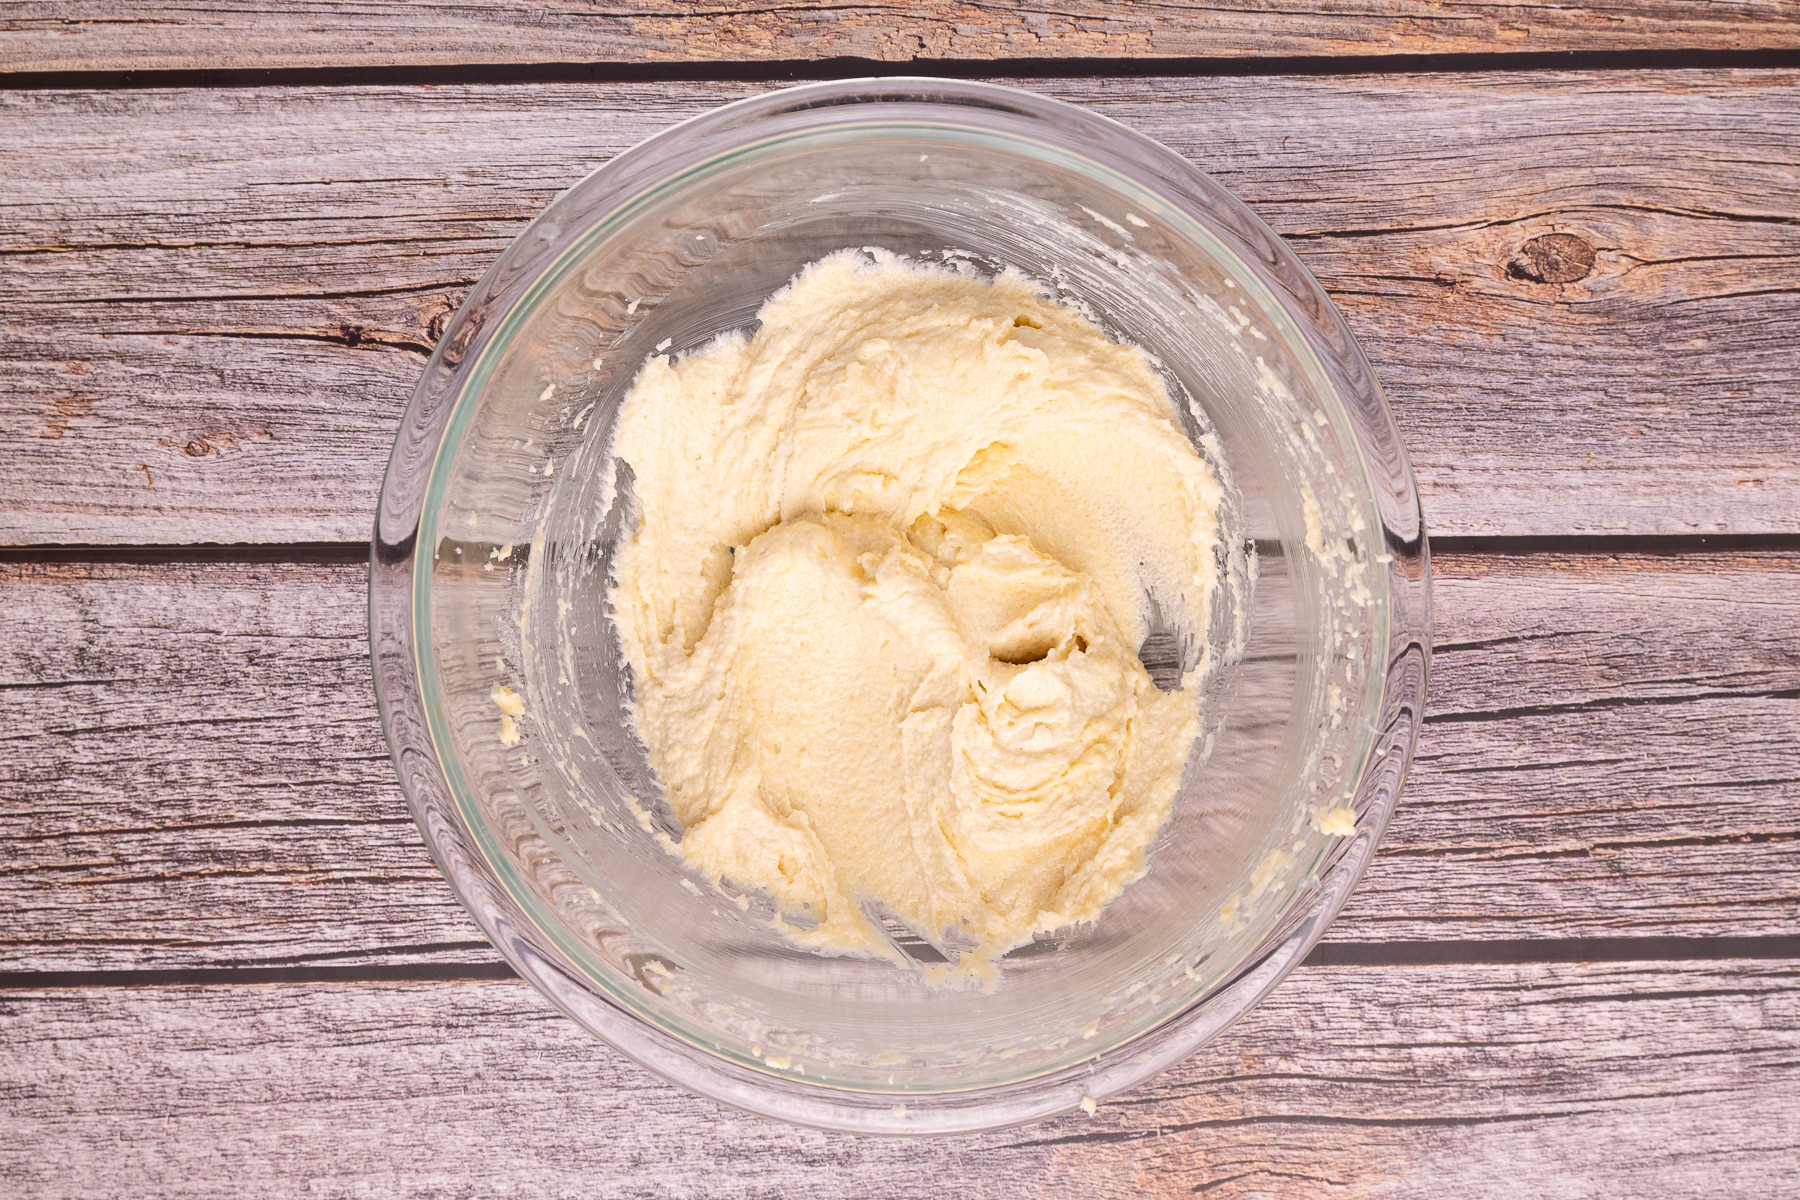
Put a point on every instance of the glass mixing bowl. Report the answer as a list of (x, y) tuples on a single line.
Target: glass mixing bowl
[(500, 514)]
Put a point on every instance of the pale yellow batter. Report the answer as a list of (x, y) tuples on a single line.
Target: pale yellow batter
[(894, 558)]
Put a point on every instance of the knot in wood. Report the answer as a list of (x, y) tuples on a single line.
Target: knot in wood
[(1553, 258), (436, 313), (197, 448)]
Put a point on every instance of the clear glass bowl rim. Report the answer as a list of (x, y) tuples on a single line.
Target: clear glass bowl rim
[(396, 573)]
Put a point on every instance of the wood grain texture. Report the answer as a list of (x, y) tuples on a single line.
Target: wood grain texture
[(1553, 1081), (196, 776), (202, 776), (85, 35), (1605, 737), (216, 302)]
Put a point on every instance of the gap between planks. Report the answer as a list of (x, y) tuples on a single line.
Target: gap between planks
[(905, 34), (350, 553), (794, 70), (1396, 955)]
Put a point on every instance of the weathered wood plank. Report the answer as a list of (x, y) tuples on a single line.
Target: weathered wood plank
[(1606, 737), (196, 777), (85, 35), (201, 775), (1553, 1081), (216, 302)]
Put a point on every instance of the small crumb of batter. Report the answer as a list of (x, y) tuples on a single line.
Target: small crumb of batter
[(511, 709)]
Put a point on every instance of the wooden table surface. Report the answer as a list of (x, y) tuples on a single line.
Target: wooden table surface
[(1569, 239)]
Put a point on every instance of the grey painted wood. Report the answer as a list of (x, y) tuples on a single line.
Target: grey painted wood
[(116, 35), (195, 775), (216, 302), (1553, 1081)]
